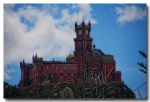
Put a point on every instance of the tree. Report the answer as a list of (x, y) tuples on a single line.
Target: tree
[(144, 70), (27, 81), (10, 91), (144, 66)]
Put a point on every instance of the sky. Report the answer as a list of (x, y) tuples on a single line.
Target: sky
[(48, 30)]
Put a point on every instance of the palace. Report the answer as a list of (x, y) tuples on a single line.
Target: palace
[(87, 64)]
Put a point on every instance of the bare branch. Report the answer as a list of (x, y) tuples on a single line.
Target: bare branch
[(143, 54), (140, 94)]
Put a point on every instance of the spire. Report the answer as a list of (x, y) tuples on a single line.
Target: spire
[(33, 58), (94, 46), (20, 63), (77, 15), (83, 19), (83, 23), (76, 26), (89, 22), (75, 22), (89, 25), (36, 55), (23, 61)]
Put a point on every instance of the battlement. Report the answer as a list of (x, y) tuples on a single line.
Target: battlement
[(82, 26), (25, 65), (60, 62), (37, 59), (53, 62), (108, 59)]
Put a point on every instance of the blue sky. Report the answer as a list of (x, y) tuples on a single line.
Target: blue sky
[(48, 30)]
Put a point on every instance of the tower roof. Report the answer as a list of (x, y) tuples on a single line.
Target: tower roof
[(70, 56), (98, 52)]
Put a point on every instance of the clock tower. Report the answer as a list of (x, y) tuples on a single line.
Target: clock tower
[(83, 45)]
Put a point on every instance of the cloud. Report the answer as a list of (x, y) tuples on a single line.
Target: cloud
[(9, 6), (73, 6), (7, 73), (30, 30), (129, 13)]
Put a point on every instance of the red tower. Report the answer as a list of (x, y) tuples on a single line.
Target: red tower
[(83, 45)]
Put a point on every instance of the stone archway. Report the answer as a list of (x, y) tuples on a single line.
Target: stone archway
[(66, 93)]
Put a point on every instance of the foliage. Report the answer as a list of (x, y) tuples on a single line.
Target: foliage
[(107, 90), (10, 91), (27, 81), (144, 68)]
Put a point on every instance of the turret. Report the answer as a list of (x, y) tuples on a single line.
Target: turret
[(36, 55), (83, 24), (36, 58), (75, 26), (23, 61), (33, 58), (20, 63), (89, 26)]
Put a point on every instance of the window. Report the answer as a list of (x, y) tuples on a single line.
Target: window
[(74, 67), (79, 32), (57, 67), (86, 31), (79, 46), (47, 67), (65, 74), (34, 67), (31, 72), (22, 72), (71, 74), (65, 67)]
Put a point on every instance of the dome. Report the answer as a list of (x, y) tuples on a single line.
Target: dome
[(70, 56), (97, 52)]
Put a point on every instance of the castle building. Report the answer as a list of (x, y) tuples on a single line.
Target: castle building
[(86, 65)]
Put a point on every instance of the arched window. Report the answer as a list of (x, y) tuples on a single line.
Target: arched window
[(47, 67), (79, 47), (57, 67)]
